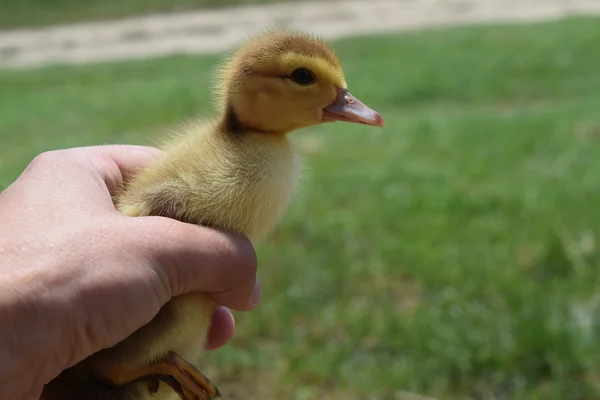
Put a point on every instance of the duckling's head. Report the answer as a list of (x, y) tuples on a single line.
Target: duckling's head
[(281, 81)]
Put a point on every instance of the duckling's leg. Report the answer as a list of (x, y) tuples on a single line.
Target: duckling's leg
[(180, 375)]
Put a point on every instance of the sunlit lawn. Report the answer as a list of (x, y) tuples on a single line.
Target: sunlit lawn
[(452, 254)]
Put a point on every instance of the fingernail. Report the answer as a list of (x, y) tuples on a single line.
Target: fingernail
[(257, 293)]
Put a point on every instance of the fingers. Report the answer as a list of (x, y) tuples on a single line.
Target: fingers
[(193, 258), (221, 329)]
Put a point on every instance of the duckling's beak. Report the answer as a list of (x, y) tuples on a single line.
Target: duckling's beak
[(348, 108)]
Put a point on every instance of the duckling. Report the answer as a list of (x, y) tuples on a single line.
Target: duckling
[(237, 172)]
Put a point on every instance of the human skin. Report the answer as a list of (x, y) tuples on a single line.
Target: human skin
[(77, 276)]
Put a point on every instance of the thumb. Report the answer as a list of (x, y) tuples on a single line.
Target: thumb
[(198, 259)]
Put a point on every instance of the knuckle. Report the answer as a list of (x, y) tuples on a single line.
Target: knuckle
[(45, 158), (65, 158)]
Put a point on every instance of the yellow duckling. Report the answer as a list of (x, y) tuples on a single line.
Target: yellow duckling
[(236, 173)]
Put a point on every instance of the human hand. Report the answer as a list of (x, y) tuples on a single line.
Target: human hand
[(77, 276)]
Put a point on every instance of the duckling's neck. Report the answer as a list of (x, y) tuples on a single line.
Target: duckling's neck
[(230, 122), (236, 124)]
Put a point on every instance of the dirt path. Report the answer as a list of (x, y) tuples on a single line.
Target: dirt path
[(218, 30)]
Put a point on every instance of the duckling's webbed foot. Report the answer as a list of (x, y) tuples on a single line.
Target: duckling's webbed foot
[(185, 379), (173, 370)]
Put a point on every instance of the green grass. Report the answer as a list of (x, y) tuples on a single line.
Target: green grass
[(32, 13), (453, 253)]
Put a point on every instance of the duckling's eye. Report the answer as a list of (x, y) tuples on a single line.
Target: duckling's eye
[(302, 76)]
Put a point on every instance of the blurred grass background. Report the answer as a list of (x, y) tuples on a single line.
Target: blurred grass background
[(452, 254)]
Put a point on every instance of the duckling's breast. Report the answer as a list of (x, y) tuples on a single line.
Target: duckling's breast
[(241, 184), (266, 179)]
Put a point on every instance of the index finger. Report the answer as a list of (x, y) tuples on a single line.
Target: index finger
[(116, 163)]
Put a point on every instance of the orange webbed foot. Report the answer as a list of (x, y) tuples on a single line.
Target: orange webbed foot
[(183, 377)]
